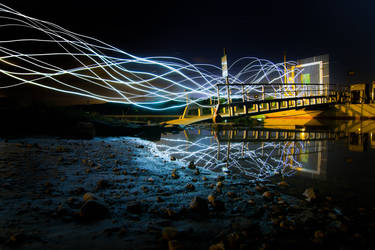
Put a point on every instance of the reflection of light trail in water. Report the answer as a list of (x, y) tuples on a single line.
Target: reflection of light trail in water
[(52, 57), (246, 158)]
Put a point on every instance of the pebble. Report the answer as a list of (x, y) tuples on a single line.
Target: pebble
[(251, 202), (309, 193), (211, 199), (102, 184), (318, 234), (89, 197), (283, 184), (191, 165), (199, 205), (169, 233), (268, 195), (217, 246), (190, 187), (93, 210), (174, 245), (134, 207)]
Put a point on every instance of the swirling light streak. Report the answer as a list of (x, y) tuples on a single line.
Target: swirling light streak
[(250, 159), (103, 72)]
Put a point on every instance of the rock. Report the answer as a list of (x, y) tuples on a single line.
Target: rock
[(134, 207), (48, 184), (251, 202), (190, 187), (78, 191), (249, 192), (318, 234), (211, 198), (231, 195), (328, 198), (170, 213), (283, 184), (197, 172), (199, 205), (102, 184), (17, 239), (309, 194), (219, 184), (218, 205), (281, 202), (64, 210), (173, 158), (122, 231), (169, 233), (267, 195), (232, 240), (92, 209), (259, 188), (89, 197), (175, 175), (145, 189), (109, 231), (60, 149), (217, 246), (73, 202), (174, 245), (191, 165), (332, 216), (220, 178), (159, 199), (204, 178)]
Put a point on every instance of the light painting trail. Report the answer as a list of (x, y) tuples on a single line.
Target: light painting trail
[(44, 54), (257, 161)]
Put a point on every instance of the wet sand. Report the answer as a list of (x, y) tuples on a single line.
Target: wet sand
[(114, 193)]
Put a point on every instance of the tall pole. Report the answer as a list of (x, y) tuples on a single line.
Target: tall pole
[(285, 79), (187, 98), (243, 100), (285, 70), (218, 94), (225, 75)]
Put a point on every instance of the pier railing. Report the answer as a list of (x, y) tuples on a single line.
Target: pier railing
[(241, 102)]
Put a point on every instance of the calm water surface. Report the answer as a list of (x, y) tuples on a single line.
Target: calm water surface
[(337, 159)]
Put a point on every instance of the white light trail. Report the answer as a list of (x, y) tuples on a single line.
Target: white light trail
[(258, 162), (44, 54)]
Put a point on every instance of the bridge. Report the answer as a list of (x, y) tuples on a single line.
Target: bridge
[(246, 107)]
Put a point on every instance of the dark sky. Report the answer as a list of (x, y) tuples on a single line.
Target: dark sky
[(199, 30)]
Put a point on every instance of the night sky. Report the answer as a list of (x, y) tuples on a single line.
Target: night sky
[(198, 31)]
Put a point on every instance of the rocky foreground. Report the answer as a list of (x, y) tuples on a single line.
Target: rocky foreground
[(114, 193)]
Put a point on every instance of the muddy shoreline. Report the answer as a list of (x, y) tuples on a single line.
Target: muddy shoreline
[(114, 193)]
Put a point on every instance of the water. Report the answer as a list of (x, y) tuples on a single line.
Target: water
[(337, 159)]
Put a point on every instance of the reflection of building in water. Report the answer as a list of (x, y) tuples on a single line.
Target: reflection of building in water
[(256, 153), (358, 142), (314, 161), (360, 134)]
